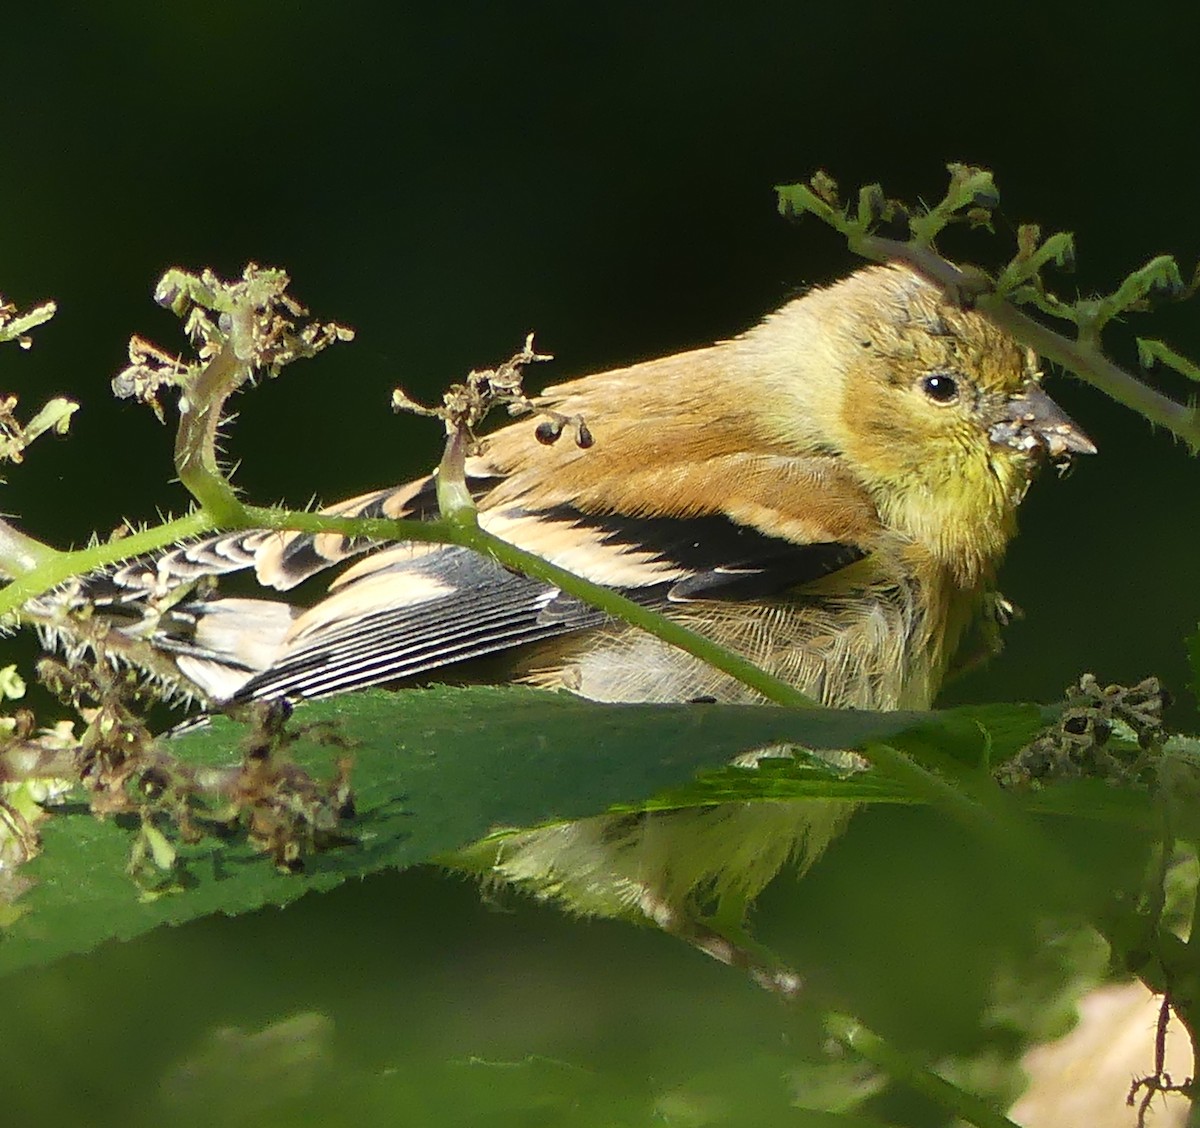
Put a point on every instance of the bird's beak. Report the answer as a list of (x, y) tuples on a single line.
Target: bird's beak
[(1032, 420)]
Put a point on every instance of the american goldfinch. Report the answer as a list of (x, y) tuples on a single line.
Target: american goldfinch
[(828, 494)]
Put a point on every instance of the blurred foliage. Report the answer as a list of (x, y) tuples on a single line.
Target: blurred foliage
[(433, 770)]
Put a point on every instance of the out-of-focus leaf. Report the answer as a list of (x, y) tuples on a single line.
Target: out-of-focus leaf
[(434, 770)]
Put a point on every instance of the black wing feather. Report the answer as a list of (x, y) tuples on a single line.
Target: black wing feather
[(726, 560)]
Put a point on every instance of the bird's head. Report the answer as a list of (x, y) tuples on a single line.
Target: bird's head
[(940, 413)]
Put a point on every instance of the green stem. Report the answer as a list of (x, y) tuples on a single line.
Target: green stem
[(1079, 357), (470, 535), (373, 528), (21, 324), (58, 567), (455, 502), (201, 409), (605, 599), (1150, 351), (1090, 365), (1082, 357), (855, 1036)]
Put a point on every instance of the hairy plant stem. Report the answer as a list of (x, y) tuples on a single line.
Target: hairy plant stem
[(54, 567), (900, 1067), (201, 410), (605, 599), (1081, 357)]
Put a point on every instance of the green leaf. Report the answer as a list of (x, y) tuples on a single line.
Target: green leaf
[(435, 769)]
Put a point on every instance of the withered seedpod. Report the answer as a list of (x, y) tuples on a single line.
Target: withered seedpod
[(548, 431)]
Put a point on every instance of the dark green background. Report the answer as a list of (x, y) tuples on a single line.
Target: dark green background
[(445, 182)]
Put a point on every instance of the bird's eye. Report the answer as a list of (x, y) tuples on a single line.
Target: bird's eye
[(940, 387)]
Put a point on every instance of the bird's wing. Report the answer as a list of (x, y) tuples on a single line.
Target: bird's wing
[(659, 529), (671, 504), (409, 609)]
